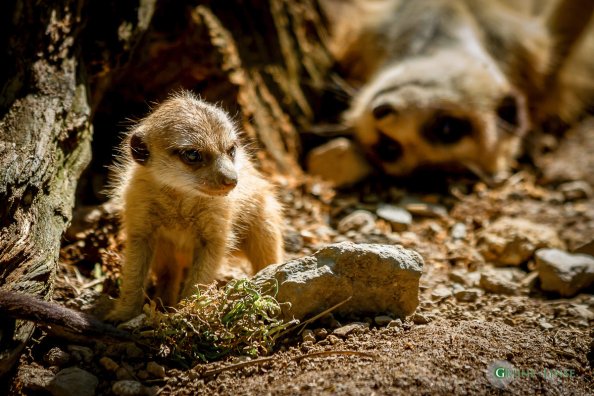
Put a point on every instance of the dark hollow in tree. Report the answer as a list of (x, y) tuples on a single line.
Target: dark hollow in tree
[(70, 62)]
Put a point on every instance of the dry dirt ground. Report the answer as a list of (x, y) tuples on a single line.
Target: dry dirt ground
[(449, 347)]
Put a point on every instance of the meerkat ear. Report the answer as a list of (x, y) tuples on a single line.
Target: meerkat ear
[(139, 150)]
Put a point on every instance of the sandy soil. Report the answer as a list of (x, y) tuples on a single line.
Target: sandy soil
[(449, 347)]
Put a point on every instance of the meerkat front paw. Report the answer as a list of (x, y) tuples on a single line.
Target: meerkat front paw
[(122, 313)]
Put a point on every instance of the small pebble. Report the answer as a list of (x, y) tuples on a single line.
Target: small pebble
[(395, 323), (108, 364), (155, 369), (467, 295), (441, 292), (399, 218), (351, 328), (458, 231), (423, 209), (144, 375), (133, 351), (544, 324), (360, 220), (383, 320), (81, 353), (419, 319), (133, 323), (56, 357), (73, 381), (128, 388), (575, 190), (321, 333), (123, 374), (308, 335)]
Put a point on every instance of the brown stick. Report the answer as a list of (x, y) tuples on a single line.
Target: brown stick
[(26, 307)]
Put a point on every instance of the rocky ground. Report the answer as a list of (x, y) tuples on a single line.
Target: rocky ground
[(501, 288)]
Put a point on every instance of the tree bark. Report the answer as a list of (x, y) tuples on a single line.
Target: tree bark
[(72, 61), (45, 135)]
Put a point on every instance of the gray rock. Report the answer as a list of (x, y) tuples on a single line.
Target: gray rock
[(511, 241), (351, 328), (564, 273), (129, 388), (376, 278), (360, 220), (339, 161), (501, 280), (400, 219), (73, 381)]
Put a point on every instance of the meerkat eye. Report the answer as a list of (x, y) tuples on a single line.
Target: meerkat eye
[(191, 156), (446, 129), (231, 152)]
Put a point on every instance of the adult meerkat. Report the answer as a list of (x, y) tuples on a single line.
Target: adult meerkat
[(458, 82), (190, 197)]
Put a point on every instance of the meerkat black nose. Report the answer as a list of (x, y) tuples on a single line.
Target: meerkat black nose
[(387, 149), (229, 180)]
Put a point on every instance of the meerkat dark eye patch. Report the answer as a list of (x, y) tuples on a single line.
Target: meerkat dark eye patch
[(232, 151), (190, 156), (445, 129), (139, 150), (508, 110), (383, 110), (387, 149)]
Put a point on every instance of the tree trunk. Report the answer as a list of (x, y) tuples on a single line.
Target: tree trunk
[(45, 136), (72, 61)]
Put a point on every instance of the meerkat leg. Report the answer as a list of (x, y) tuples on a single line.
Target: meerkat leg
[(138, 257), (207, 257), (169, 268), (263, 244)]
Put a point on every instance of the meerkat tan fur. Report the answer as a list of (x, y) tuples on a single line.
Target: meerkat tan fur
[(190, 197), (459, 82)]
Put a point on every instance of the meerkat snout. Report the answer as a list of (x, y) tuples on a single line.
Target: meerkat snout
[(226, 176)]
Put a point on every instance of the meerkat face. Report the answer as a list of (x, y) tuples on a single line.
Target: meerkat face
[(446, 109), (189, 145)]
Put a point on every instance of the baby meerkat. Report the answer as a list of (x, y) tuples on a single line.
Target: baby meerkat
[(190, 197), (458, 82)]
